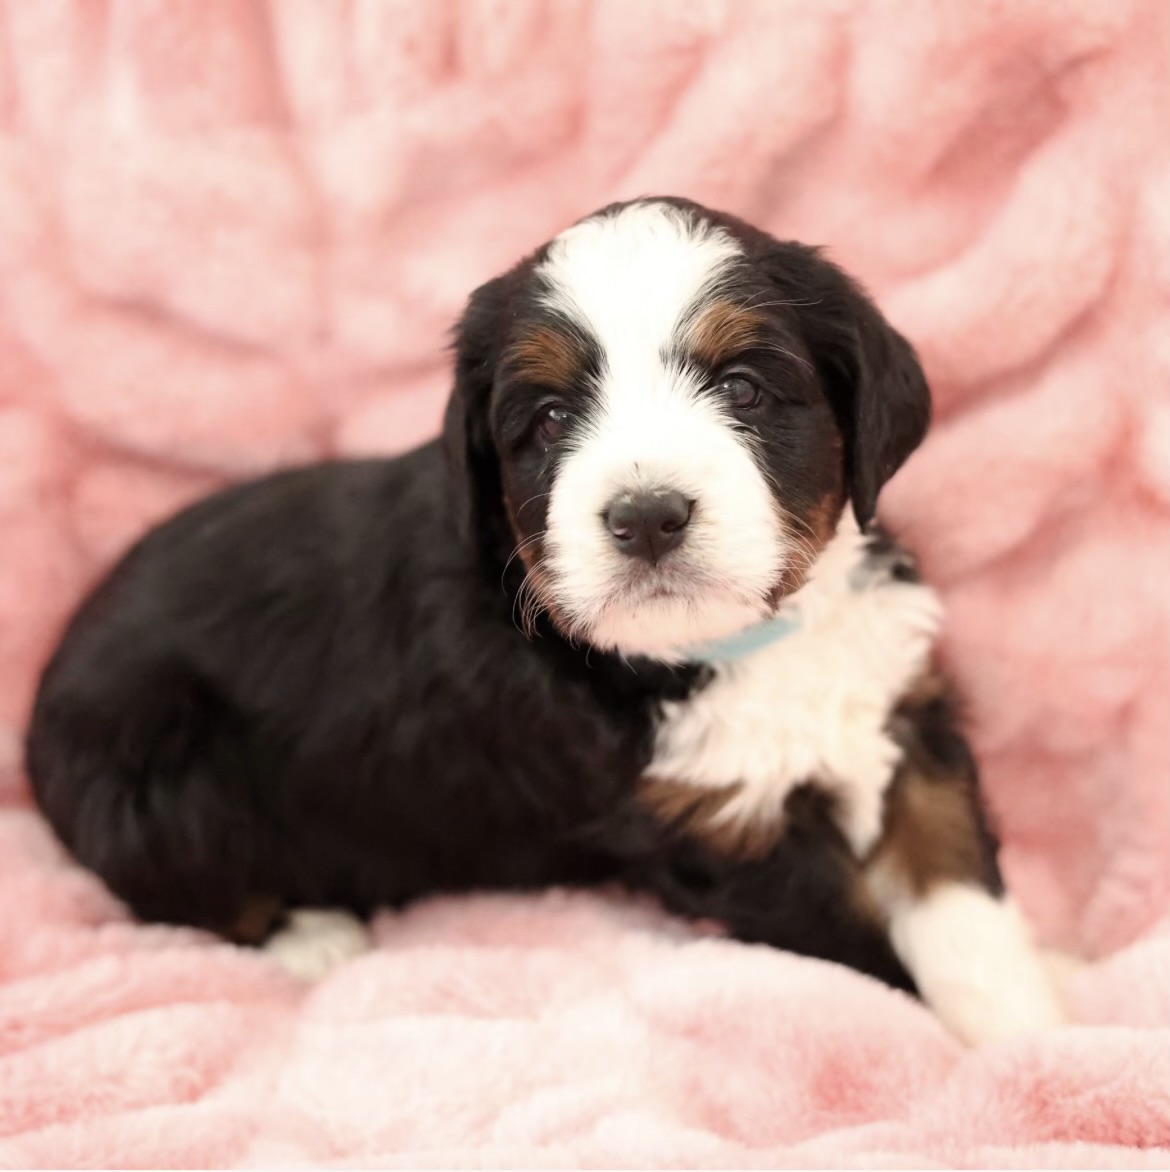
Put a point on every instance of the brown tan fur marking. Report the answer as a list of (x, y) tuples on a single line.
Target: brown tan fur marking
[(259, 916), (930, 834), (935, 829), (811, 534), (525, 549), (722, 330), (546, 356), (930, 687)]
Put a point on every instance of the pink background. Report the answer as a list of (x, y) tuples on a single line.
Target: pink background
[(234, 235)]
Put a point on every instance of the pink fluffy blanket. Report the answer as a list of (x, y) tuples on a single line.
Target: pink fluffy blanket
[(233, 235)]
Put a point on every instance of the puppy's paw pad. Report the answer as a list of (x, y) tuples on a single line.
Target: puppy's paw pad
[(315, 942)]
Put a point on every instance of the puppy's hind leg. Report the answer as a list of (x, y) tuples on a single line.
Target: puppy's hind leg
[(147, 782)]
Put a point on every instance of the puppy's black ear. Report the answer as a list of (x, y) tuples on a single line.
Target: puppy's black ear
[(467, 441), (890, 405), (871, 373)]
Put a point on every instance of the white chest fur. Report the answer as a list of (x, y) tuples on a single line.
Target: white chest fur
[(813, 706)]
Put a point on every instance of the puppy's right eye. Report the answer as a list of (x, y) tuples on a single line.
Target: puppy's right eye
[(552, 423), (739, 391)]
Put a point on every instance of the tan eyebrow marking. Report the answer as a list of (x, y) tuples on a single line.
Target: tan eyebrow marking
[(721, 330), (548, 356)]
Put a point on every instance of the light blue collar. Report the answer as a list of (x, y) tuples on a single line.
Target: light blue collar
[(745, 642)]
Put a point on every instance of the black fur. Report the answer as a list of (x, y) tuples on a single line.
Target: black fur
[(311, 690)]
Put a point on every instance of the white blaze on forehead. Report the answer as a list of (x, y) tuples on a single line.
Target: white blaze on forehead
[(630, 277), (632, 280)]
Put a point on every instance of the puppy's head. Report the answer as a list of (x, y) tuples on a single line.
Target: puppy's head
[(663, 412)]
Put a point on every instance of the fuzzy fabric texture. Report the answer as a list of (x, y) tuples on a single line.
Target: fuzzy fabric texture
[(233, 235)]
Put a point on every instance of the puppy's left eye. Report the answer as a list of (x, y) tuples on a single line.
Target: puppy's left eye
[(552, 423), (739, 391)]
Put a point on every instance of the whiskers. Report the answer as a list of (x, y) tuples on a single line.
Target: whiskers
[(750, 302), (776, 348), (528, 604), (806, 542), (797, 531), (535, 497), (519, 552)]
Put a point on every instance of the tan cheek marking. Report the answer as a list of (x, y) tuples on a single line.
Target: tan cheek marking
[(546, 356), (823, 518), (537, 591), (721, 330), (812, 534), (525, 551)]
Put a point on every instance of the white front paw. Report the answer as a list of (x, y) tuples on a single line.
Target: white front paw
[(974, 964), (979, 1014)]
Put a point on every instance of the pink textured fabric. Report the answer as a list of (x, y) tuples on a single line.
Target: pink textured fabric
[(234, 235)]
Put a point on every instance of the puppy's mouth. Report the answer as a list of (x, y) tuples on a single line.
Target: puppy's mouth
[(674, 583), (668, 579)]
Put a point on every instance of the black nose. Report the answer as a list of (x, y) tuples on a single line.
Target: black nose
[(649, 524)]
